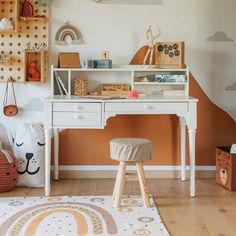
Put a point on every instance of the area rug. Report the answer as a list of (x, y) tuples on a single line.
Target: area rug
[(71, 216)]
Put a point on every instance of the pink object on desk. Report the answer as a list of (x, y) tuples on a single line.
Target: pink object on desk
[(133, 94)]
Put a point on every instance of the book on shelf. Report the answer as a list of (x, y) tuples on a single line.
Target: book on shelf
[(61, 85)]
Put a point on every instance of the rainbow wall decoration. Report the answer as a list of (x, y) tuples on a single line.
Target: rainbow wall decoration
[(68, 34)]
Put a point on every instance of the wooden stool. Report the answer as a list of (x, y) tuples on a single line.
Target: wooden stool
[(130, 150)]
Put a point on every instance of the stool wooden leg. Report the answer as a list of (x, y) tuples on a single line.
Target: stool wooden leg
[(143, 185), (116, 182), (120, 184)]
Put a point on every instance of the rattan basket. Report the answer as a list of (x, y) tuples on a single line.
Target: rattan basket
[(116, 89), (81, 86)]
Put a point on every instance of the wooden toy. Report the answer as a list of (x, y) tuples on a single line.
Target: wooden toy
[(69, 60), (34, 74), (35, 70), (226, 168), (105, 55), (151, 39), (170, 55)]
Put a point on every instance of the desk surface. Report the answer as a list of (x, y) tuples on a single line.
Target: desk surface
[(152, 98)]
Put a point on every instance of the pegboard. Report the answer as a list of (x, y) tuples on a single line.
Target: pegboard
[(32, 34)]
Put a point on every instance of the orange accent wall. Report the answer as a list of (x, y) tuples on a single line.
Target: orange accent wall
[(91, 147)]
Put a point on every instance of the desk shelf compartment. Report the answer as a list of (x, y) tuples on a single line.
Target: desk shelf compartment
[(166, 82), (97, 77)]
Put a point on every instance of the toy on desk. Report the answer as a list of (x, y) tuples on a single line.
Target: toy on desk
[(6, 24), (34, 73), (133, 94), (170, 55), (151, 39), (105, 55), (88, 64), (27, 9)]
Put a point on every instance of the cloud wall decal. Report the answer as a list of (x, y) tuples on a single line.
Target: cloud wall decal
[(231, 87), (219, 36)]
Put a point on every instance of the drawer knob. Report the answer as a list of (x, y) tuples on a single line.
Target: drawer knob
[(78, 107), (77, 117), (147, 107)]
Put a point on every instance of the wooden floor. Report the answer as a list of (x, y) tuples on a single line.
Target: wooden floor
[(212, 212)]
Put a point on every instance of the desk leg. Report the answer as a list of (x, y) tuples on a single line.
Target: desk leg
[(192, 134), (56, 153), (48, 137), (183, 147)]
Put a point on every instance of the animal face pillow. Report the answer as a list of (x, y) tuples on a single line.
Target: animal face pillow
[(29, 149)]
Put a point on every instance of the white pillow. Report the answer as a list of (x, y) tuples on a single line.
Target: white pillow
[(29, 149)]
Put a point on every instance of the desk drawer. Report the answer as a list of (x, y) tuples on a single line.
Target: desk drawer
[(77, 119), (77, 107), (138, 107)]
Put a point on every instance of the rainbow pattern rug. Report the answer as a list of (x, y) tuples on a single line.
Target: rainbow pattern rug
[(72, 216)]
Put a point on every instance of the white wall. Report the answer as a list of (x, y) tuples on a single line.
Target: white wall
[(121, 30)]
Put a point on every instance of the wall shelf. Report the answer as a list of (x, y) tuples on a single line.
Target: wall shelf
[(40, 58), (11, 12), (28, 34), (35, 18)]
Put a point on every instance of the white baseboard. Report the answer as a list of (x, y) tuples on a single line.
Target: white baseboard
[(85, 171)]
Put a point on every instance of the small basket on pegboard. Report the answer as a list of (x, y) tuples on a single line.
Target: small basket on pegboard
[(81, 86)]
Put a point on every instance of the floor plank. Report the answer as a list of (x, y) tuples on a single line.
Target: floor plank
[(212, 212)]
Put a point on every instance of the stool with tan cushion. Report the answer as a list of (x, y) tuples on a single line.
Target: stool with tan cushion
[(132, 150)]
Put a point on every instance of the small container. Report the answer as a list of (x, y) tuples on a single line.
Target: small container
[(226, 168), (81, 86)]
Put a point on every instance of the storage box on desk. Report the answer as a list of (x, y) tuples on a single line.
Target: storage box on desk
[(103, 64), (226, 168), (109, 89), (81, 86)]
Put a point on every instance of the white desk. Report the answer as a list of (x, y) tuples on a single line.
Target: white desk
[(76, 113)]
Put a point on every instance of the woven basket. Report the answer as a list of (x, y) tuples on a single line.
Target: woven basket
[(116, 89), (8, 171), (81, 86)]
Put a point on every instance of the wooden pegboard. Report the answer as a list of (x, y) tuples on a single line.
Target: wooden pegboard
[(33, 32)]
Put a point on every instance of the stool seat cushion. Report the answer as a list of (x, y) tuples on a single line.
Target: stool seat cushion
[(131, 149)]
